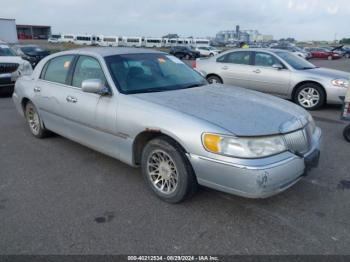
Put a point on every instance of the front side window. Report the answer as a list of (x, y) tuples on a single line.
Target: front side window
[(295, 61), (6, 51), (87, 68), (265, 60), (58, 68), (141, 73), (240, 58)]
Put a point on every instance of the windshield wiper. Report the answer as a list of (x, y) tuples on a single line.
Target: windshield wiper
[(193, 85), (307, 68)]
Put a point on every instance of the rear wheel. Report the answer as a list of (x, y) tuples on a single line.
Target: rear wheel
[(167, 171), (214, 80), (347, 55), (310, 96), (346, 133), (330, 57), (187, 57), (34, 122)]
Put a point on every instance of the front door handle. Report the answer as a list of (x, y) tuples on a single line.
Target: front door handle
[(257, 71), (71, 99), (224, 67), (37, 89)]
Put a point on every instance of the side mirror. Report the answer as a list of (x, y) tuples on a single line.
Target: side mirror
[(277, 66), (95, 86)]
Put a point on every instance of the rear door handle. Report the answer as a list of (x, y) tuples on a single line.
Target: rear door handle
[(71, 99), (37, 89), (224, 67), (257, 71)]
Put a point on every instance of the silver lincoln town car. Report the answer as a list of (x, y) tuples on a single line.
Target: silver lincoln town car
[(149, 109)]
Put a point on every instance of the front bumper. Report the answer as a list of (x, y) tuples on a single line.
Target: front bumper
[(256, 180), (335, 94), (7, 80)]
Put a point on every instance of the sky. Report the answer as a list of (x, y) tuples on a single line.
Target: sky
[(301, 19)]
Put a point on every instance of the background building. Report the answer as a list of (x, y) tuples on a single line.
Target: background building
[(8, 31), (33, 31), (238, 35)]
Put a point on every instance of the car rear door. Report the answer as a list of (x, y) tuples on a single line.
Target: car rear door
[(50, 92), (268, 79), (235, 68)]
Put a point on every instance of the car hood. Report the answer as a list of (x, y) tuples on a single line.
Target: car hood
[(11, 59), (240, 111), (37, 53), (331, 73)]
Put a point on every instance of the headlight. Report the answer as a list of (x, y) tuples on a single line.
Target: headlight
[(340, 83), (254, 147), (26, 68)]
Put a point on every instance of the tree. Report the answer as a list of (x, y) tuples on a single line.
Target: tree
[(345, 41)]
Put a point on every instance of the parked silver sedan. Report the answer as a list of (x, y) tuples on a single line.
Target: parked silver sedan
[(277, 72), (149, 109)]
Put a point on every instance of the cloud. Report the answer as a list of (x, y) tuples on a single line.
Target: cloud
[(303, 19)]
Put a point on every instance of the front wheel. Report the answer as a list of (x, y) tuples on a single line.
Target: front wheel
[(346, 133), (310, 96), (347, 55), (187, 57), (214, 80), (330, 57), (167, 171), (34, 122)]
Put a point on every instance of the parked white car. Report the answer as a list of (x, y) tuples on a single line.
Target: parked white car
[(11, 67), (207, 51)]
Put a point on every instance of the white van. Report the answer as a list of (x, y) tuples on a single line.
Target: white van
[(108, 41), (86, 40), (132, 41), (152, 42), (201, 42), (67, 38)]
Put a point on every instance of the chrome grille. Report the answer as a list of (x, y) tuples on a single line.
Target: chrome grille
[(299, 141), (8, 67)]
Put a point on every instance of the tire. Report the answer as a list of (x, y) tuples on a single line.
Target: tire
[(187, 57), (175, 176), (211, 54), (214, 80), (330, 57), (35, 124), (346, 133), (347, 55), (6, 91), (313, 94)]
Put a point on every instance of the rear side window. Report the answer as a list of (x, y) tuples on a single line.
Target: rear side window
[(57, 69), (240, 58)]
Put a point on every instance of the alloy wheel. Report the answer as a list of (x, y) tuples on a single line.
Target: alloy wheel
[(308, 97), (162, 172), (33, 120)]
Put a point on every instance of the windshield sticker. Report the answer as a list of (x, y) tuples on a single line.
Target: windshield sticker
[(66, 64), (161, 60), (174, 59)]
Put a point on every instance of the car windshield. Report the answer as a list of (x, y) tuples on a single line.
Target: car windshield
[(28, 49), (6, 51), (295, 61), (142, 73)]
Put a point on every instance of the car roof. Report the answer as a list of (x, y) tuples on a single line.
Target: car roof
[(110, 51), (266, 50)]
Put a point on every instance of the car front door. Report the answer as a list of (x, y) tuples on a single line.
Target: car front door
[(235, 68), (270, 75), (91, 117)]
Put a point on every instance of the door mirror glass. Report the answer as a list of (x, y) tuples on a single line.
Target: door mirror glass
[(277, 66), (95, 86)]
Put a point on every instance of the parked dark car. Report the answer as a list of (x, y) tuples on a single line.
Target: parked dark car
[(184, 52), (31, 53), (344, 50), (324, 53)]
